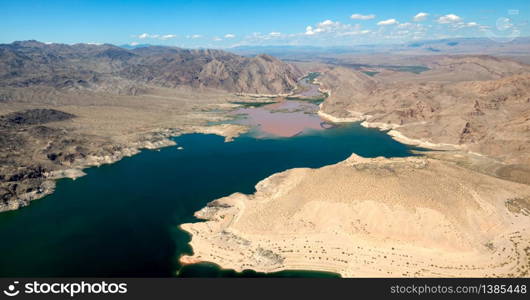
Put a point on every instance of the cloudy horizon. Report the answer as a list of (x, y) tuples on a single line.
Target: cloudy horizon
[(224, 25)]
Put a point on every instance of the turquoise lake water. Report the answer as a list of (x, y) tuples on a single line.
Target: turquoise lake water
[(122, 219)]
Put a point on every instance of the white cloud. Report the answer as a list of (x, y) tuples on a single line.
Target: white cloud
[(456, 22), (355, 32), (328, 26), (389, 30), (274, 35), (461, 25), (194, 36), (156, 36), (387, 22), (421, 16), (168, 36), (329, 29), (230, 36), (448, 19), (326, 23), (217, 39), (134, 43), (361, 17)]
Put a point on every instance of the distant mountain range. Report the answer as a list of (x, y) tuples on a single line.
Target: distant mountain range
[(444, 46), (518, 45), (115, 69), (130, 47)]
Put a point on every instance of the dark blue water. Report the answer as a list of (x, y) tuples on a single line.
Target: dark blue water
[(122, 219)]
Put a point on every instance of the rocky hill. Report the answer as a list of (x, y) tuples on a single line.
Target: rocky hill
[(118, 70), (478, 103)]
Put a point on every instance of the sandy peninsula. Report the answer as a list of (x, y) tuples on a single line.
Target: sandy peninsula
[(372, 217)]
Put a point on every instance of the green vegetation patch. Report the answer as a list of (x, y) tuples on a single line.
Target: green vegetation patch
[(411, 69), (316, 101), (252, 104), (371, 73), (312, 76)]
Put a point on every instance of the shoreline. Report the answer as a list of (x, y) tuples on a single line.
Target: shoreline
[(153, 140), (391, 130)]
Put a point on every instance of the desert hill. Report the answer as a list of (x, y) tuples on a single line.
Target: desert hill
[(85, 66), (412, 217), (479, 103)]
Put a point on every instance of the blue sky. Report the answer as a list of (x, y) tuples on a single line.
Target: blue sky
[(221, 24)]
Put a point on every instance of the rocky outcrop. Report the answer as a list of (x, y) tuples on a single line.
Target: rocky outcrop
[(33, 155), (34, 117), (489, 114)]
